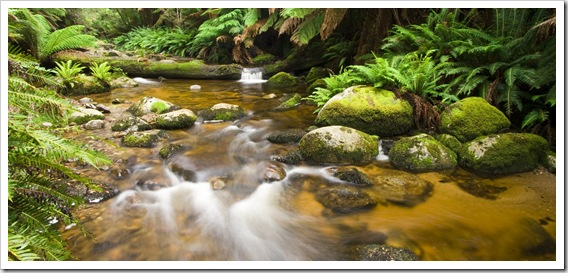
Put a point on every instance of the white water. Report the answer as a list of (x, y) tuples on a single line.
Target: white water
[(251, 75), (145, 81), (381, 156)]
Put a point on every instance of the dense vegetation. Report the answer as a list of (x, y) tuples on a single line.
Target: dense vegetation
[(429, 57)]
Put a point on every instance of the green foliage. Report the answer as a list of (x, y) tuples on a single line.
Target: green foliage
[(68, 72), (101, 71), (70, 37), (335, 84), (158, 107), (37, 179), (173, 41)]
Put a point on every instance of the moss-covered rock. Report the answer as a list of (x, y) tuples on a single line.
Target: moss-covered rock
[(338, 144), (122, 82), (131, 124), (292, 102), (352, 175), (151, 105), (263, 59), (286, 136), (472, 117), (179, 119), (368, 109), (316, 73), (422, 153), (549, 161), (146, 139), (223, 111), (317, 83), (450, 141), (281, 80), (169, 149), (85, 115), (85, 85), (504, 153)]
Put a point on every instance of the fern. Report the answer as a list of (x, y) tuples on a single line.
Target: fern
[(101, 71), (63, 39)]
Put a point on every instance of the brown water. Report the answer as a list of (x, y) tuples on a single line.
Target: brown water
[(249, 220)]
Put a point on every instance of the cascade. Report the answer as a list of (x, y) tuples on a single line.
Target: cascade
[(252, 75), (382, 156)]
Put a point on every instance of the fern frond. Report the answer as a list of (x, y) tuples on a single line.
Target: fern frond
[(66, 38), (308, 29), (333, 16)]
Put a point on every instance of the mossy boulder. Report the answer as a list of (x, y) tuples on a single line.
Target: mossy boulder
[(263, 59), (85, 85), (504, 153), (85, 115), (472, 117), (422, 153), (223, 111), (281, 80), (316, 73), (317, 83), (169, 149), (178, 119), (338, 144), (151, 105), (131, 124), (292, 102), (450, 141), (123, 82), (368, 109), (146, 139)]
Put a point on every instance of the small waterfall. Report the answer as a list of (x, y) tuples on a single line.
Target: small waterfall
[(252, 75), (382, 156)]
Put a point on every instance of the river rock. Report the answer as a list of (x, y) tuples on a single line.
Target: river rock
[(338, 144), (85, 85), (343, 198), (402, 188), (223, 111), (292, 102), (150, 104), (94, 124), (85, 100), (422, 153), (368, 109), (169, 149), (195, 87), (504, 153), (217, 183), (131, 124), (281, 80), (449, 141), (286, 136), (144, 139), (382, 252), (291, 156), (184, 172), (178, 119), (472, 117), (352, 175), (103, 108), (85, 115), (550, 162), (273, 172)]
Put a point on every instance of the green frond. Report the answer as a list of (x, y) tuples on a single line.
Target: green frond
[(534, 117), (296, 12), (308, 29), (67, 38)]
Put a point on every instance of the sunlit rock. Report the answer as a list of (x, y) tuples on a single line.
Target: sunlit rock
[(150, 104), (131, 124), (282, 79), (178, 119), (338, 144), (223, 111), (504, 153), (85, 115), (145, 139), (94, 124), (472, 117), (368, 109), (422, 153), (123, 82)]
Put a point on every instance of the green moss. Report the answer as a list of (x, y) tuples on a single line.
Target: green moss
[(290, 103), (317, 83), (472, 117), (134, 139), (371, 110), (504, 153), (159, 107), (170, 149), (125, 124), (422, 153), (225, 114), (264, 59), (282, 79), (316, 73), (450, 141), (178, 121)]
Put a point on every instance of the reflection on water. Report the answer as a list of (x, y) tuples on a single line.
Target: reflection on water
[(250, 218)]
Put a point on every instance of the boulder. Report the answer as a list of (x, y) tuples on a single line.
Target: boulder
[(338, 144), (145, 139), (344, 198), (281, 80), (131, 124), (422, 153), (178, 119), (85, 115), (352, 175), (371, 110), (94, 124), (402, 188), (550, 162), (123, 82), (223, 111), (286, 136), (316, 73), (170, 149), (472, 117), (85, 85), (504, 153), (273, 171), (290, 103), (317, 83), (449, 141), (151, 105)]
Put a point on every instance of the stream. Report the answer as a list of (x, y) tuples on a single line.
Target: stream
[(175, 217)]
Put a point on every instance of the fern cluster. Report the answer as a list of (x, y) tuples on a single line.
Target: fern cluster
[(173, 41), (38, 199)]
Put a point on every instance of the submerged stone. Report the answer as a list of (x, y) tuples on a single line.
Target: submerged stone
[(344, 198)]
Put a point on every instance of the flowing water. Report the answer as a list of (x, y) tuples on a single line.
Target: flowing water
[(161, 215)]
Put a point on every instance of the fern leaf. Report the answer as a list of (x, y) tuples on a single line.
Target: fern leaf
[(66, 38)]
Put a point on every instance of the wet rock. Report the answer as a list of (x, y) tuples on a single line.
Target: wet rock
[(549, 162), (402, 188), (480, 188), (94, 124), (149, 185), (223, 111), (170, 149), (282, 79), (352, 175), (316, 73), (449, 141), (504, 153), (292, 157), (217, 183), (195, 87), (85, 100), (338, 144), (118, 101), (178, 119), (344, 198), (144, 139), (183, 172), (93, 196), (286, 136), (119, 173), (103, 108), (368, 109), (151, 105), (472, 117), (382, 252), (290, 103), (85, 85), (85, 115), (273, 172), (422, 153), (131, 124), (269, 96)]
